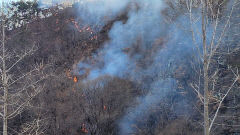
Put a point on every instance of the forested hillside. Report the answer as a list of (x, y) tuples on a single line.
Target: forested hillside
[(120, 67)]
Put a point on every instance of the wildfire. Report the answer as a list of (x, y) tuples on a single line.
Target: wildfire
[(75, 79), (68, 74), (79, 28), (84, 129), (83, 29), (76, 25)]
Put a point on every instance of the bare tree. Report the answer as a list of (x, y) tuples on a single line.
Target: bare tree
[(19, 84), (36, 126), (209, 50)]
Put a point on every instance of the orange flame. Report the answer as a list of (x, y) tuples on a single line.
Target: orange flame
[(68, 74), (75, 79), (84, 128), (83, 29)]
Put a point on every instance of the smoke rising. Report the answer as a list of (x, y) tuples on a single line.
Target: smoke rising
[(158, 90), (98, 12), (143, 26), (144, 49)]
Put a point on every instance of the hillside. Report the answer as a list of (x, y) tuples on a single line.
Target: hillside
[(133, 71)]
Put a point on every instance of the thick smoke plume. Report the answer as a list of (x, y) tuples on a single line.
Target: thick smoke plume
[(144, 49), (142, 28)]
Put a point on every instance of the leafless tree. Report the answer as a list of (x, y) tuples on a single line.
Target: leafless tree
[(19, 84), (36, 126), (207, 86)]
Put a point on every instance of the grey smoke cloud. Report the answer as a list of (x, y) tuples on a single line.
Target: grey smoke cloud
[(154, 50), (159, 89), (144, 24), (98, 12)]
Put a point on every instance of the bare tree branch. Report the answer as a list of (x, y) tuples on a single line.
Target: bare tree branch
[(220, 103)]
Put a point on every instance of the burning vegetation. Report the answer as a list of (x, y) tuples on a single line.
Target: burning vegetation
[(126, 67)]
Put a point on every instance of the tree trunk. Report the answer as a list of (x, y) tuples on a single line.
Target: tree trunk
[(4, 78), (5, 120), (206, 99), (205, 70), (5, 105)]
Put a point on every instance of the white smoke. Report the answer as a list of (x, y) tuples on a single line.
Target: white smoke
[(156, 49)]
